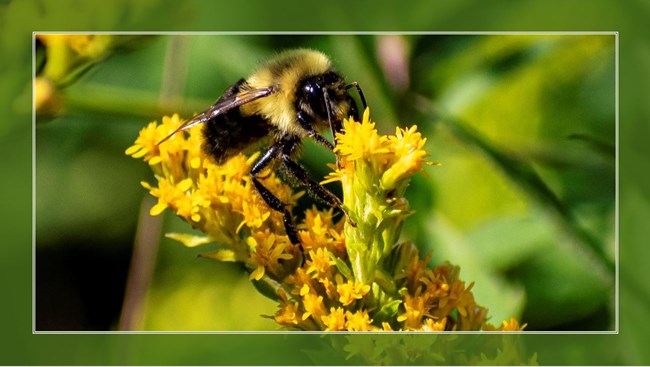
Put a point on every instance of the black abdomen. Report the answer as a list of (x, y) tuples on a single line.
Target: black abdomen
[(231, 133)]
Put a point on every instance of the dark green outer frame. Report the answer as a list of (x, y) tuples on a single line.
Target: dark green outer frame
[(20, 18)]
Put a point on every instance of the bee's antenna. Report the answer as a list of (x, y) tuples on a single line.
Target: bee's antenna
[(169, 136), (186, 125), (356, 85)]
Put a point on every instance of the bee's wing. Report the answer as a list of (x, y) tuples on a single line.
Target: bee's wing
[(221, 106)]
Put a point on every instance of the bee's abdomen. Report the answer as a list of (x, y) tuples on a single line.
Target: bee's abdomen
[(231, 133)]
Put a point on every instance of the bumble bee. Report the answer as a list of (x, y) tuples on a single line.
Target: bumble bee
[(293, 96)]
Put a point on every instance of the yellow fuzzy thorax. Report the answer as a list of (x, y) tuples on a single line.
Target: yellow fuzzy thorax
[(284, 73)]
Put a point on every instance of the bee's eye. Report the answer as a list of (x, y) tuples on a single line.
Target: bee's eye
[(311, 89), (308, 88)]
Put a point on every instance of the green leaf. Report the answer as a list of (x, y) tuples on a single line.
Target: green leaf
[(562, 287), (389, 311), (342, 267), (385, 281), (269, 288)]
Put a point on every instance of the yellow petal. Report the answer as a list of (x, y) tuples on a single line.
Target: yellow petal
[(185, 185), (195, 163), (223, 255), (158, 208), (132, 149), (188, 239), (257, 274)]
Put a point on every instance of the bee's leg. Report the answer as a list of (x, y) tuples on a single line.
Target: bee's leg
[(270, 199), (299, 174), (306, 123)]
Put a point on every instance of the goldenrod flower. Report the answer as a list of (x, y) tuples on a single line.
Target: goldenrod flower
[(47, 98), (374, 171), (314, 307), (320, 263), (217, 199), (358, 321), (414, 312), (67, 52), (507, 325), (353, 277), (267, 250), (351, 291), (408, 158), (433, 325), (335, 320), (288, 314), (85, 45)]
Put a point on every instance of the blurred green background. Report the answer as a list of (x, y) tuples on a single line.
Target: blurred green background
[(532, 225), (524, 202)]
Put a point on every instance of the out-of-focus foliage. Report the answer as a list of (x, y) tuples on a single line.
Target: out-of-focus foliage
[(526, 130)]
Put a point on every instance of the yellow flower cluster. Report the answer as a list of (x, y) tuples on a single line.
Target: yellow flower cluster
[(66, 57), (91, 46), (219, 200), (349, 276), (391, 159), (374, 171)]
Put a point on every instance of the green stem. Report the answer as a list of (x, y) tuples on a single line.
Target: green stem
[(111, 100)]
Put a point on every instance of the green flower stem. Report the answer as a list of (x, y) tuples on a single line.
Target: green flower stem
[(377, 221)]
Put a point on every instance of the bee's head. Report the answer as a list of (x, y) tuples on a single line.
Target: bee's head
[(314, 92)]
